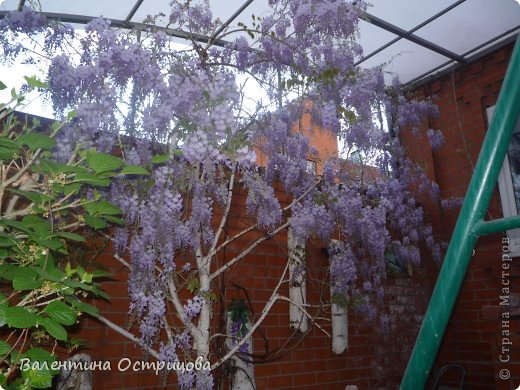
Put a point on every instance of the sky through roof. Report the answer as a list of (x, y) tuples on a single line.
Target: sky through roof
[(411, 38)]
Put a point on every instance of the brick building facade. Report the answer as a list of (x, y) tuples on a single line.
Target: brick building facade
[(376, 358), (474, 337)]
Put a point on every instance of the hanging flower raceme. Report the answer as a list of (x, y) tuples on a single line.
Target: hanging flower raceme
[(180, 114)]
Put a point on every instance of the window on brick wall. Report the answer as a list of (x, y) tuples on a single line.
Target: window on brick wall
[(509, 184)]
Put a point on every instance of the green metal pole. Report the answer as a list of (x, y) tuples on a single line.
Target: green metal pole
[(464, 236), (497, 225)]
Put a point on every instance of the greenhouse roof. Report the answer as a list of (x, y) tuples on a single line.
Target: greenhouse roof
[(412, 38)]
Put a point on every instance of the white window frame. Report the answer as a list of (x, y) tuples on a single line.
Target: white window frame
[(507, 196)]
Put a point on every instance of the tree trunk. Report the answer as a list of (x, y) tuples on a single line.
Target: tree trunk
[(244, 372), (297, 282)]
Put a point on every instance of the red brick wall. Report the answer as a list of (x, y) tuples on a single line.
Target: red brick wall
[(473, 336), (376, 359)]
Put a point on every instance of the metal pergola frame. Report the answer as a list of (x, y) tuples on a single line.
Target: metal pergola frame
[(470, 224), (454, 60), (405, 34)]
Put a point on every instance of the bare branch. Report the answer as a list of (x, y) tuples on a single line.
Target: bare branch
[(311, 318), (128, 335), (119, 258), (255, 226), (248, 250), (226, 213), (233, 238), (267, 308)]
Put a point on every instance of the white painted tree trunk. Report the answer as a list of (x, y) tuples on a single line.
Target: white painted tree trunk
[(297, 282), (339, 328), (202, 341), (339, 318), (244, 375)]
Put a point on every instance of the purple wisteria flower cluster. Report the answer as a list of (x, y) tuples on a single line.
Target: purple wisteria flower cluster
[(179, 113)]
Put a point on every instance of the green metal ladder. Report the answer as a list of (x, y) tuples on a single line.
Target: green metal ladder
[(470, 225)]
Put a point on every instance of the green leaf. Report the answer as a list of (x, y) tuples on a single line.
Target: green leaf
[(102, 162), (16, 225), (80, 270), (71, 188), (55, 245), (6, 242), (19, 317), (160, 158), (68, 270), (34, 82), (52, 167), (47, 166), (40, 226), (26, 279), (95, 222), (4, 348), (74, 284), (60, 312), (8, 148), (6, 153), (87, 278), (100, 293), (35, 197), (83, 177), (34, 220), (70, 236), (83, 307), (42, 378), (102, 208), (36, 141), (193, 285), (98, 273), (5, 271), (38, 379), (47, 265), (39, 355), (48, 275), (2, 86), (133, 170), (56, 273), (4, 304), (8, 143), (54, 328), (113, 219)]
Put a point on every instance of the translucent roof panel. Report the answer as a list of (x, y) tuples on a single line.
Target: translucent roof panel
[(406, 60), (412, 37), (372, 37), (459, 32), (407, 13), (220, 9)]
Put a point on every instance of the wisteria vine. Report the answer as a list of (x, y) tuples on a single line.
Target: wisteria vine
[(179, 111)]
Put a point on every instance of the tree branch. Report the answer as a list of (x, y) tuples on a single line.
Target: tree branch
[(233, 238), (267, 308), (128, 335), (311, 318), (248, 250), (253, 227), (226, 213)]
